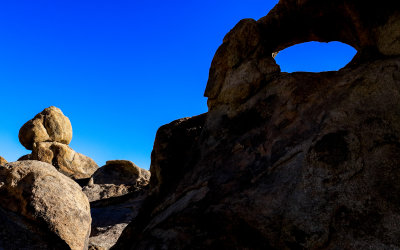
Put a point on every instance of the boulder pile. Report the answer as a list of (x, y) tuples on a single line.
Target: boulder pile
[(48, 135), (42, 206)]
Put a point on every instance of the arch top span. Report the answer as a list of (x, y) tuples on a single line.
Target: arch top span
[(364, 25)]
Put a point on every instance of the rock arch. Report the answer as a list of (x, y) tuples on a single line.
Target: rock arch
[(243, 62)]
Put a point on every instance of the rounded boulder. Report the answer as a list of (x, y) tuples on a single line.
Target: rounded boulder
[(50, 125), (41, 196)]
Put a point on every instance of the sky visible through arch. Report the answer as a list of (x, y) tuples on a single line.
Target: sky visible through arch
[(120, 69)]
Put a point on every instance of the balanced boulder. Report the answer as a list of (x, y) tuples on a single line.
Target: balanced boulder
[(48, 135), (49, 125), (45, 208)]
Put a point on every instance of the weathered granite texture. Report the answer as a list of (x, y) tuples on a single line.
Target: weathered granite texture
[(40, 208), (49, 125)]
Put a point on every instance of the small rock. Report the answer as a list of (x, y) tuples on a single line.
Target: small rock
[(90, 183)]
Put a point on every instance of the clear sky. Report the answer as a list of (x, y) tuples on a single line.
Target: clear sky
[(120, 69)]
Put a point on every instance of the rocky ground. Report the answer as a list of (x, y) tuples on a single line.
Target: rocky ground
[(280, 161)]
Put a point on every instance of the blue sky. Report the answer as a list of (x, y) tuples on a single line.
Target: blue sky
[(120, 69)]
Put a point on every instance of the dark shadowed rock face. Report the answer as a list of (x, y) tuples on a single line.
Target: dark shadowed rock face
[(173, 152), (121, 172), (285, 161)]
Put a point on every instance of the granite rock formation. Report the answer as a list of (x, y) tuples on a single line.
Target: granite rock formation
[(285, 161), (48, 135), (243, 62), (49, 125), (41, 208)]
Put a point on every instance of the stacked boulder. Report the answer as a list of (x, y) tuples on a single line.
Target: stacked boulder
[(42, 205), (48, 135), (115, 191)]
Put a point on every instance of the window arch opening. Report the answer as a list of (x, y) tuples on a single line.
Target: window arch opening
[(315, 57)]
